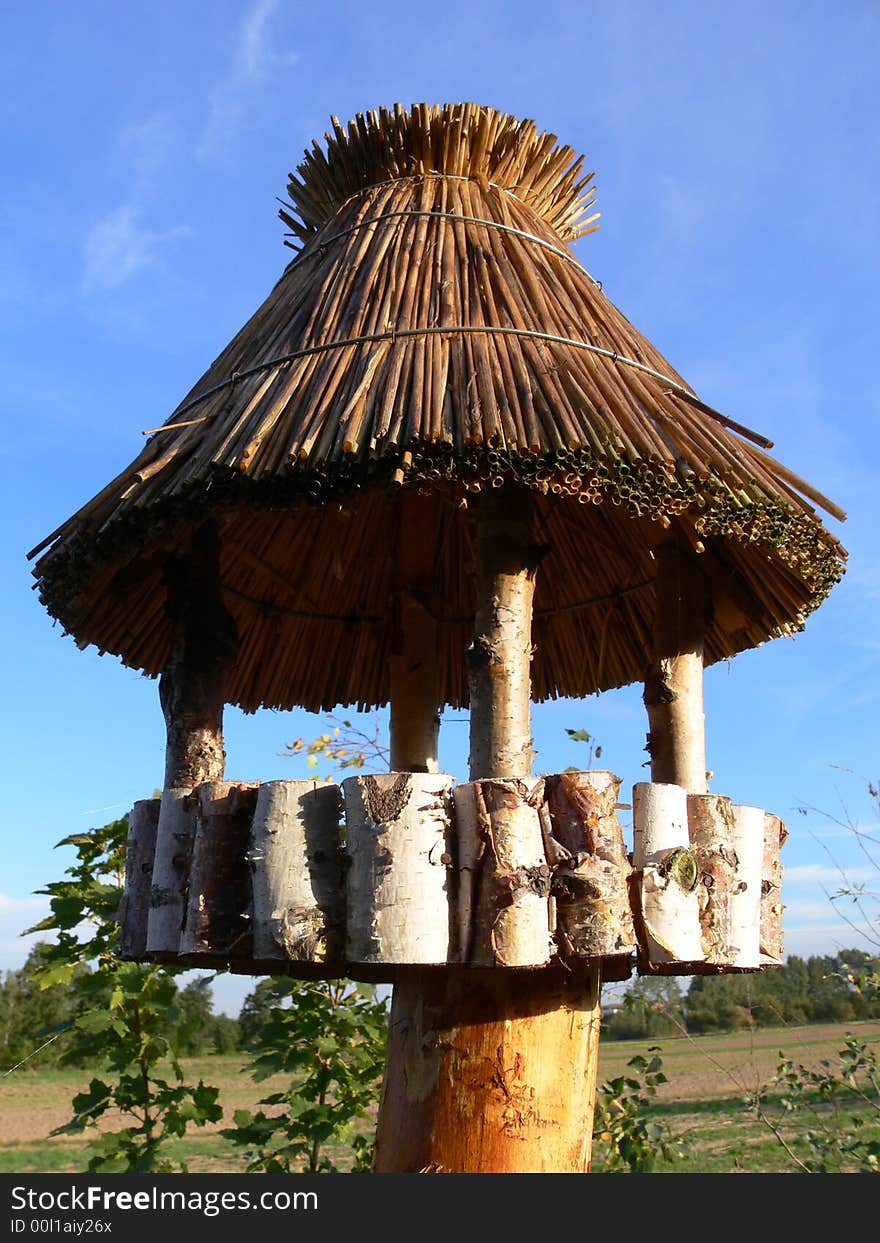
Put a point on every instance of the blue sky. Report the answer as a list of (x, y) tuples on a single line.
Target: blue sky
[(736, 161)]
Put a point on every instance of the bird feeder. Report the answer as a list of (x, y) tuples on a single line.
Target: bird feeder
[(438, 467)]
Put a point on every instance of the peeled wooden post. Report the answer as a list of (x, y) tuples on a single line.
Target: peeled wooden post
[(414, 725), (296, 874), (493, 1070), (674, 682), (140, 850)]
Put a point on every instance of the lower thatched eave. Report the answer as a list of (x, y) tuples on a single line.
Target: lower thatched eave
[(308, 570)]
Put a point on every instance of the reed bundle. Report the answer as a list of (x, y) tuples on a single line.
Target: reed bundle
[(434, 332)]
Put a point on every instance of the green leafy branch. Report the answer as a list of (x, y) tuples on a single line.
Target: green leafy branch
[(329, 1037), (635, 1140), (127, 1020)]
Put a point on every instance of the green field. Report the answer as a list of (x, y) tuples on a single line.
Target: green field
[(709, 1077)]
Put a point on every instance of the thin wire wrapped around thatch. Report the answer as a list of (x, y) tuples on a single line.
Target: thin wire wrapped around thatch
[(435, 333)]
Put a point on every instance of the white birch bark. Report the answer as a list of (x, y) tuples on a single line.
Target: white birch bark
[(218, 895), (660, 821), (775, 836), (745, 902), (674, 682), (499, 657), (398, 841), (711, 826), (504, 890), (140, 852), (667, 875), (590, 866), (174, 840), (296, 872)]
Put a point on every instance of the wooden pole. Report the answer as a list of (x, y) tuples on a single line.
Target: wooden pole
[(674, 682), (493, 1070), (415, 717), (499, 657), (192, 692), (192, 688)]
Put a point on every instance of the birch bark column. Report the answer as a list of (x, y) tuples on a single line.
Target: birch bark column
[(192, 692), (493, 1070), (415, 716), (674, 682)]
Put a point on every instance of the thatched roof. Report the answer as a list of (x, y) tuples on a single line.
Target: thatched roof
[(436, 333)]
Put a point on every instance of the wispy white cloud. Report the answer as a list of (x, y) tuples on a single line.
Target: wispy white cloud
[(826, 938), (13, 906), (16, 914), (803, 913), (255, 60), (820, 874), (145, 148), (120, 246)]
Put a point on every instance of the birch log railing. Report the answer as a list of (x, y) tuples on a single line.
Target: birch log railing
[(396, 872)]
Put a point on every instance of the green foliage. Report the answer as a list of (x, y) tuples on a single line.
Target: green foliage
[(833, 1110), (581, 735), (84, 907), (127, 1018), (343, 746), (635, 1140), (330, 1037)]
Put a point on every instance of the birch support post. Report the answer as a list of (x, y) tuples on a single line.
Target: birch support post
[(412, 668), (192, 692), (192, 688), (493, 1070), (674, 682)]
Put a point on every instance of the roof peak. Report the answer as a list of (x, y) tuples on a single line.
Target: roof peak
[(455, 140)]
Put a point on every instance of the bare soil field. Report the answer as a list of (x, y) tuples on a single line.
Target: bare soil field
[(708, 1077), (704, 1068)]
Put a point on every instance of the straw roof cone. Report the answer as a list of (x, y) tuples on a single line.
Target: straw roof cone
[(435, 334)]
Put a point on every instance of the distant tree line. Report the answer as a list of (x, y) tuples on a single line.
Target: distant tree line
[(31, 1016), (819, 989)]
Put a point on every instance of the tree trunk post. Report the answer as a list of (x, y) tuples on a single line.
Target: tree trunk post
[(415, 718), (192, 692), (192, 688), (493, 1070), (674, 682)]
